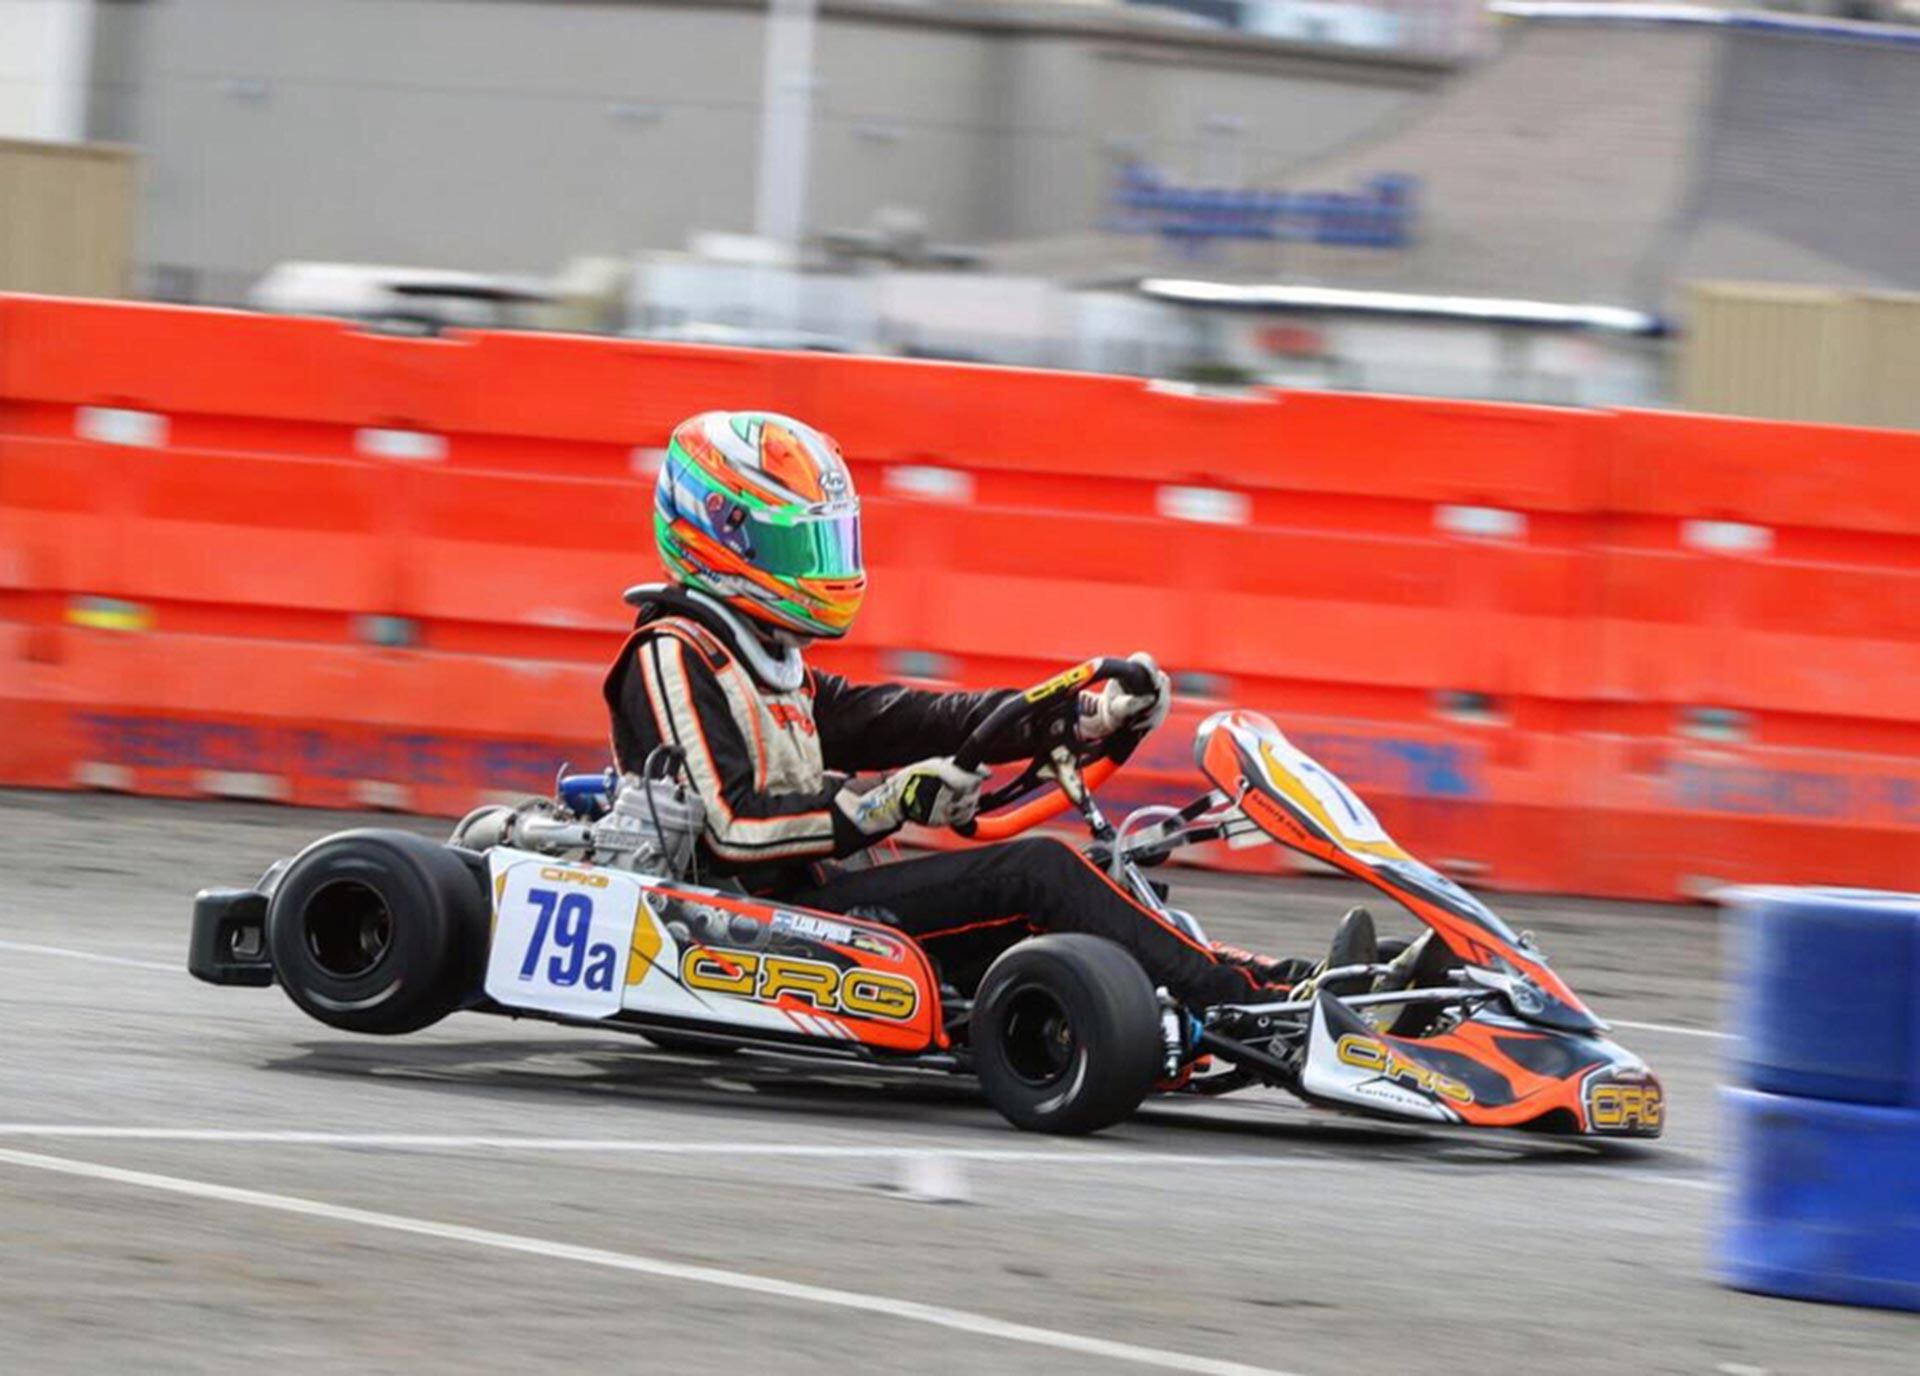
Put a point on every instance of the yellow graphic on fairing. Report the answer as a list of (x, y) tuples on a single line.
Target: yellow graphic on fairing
[(1364, 1053), (647, 940), (767, 979), (1625, 1108), (1289, 783)]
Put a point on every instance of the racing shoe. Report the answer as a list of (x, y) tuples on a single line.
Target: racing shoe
[(1404, 965), (1354, 943)]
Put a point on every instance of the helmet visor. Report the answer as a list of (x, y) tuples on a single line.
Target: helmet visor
[(809, 546)]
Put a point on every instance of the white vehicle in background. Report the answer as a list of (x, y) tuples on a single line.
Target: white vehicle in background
[(426, 300)]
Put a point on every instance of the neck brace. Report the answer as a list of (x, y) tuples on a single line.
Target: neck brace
[(780, 669)]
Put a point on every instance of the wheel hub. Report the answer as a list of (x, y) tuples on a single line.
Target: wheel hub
[(1037, 1037), (348, 928)]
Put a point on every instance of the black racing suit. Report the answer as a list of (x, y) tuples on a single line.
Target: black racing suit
[(770, 745)]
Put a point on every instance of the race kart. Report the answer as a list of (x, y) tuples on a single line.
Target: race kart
[(586, 909)]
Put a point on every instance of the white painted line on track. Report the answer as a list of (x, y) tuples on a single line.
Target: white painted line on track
[(630, 1146), (29, 948), (910, 1311), (1673, 1031), (712, 1150), (1684, 1182)]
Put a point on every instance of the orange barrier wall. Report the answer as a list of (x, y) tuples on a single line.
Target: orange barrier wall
[(1613, 653)]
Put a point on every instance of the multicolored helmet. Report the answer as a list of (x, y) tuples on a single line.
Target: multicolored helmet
[(758, 510)]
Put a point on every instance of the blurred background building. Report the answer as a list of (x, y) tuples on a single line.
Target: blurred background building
[(1421, 196)]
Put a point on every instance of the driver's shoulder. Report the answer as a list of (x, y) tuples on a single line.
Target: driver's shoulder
[(712, 651)]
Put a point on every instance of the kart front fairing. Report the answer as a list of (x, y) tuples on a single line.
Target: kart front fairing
[(1523, 1051), (1488, 1070), (1299, 803)]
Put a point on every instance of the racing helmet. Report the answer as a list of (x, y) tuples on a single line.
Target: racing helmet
[(758, 510)]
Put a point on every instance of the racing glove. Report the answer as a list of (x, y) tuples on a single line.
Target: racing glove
[(934, 793), (1105, 710)]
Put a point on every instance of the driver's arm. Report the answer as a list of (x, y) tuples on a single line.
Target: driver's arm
[(873, 726)]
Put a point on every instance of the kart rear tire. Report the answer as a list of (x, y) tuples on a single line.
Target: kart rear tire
[(378, 931), (1066, 1034)]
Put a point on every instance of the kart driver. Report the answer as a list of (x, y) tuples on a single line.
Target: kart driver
[(757, 523)]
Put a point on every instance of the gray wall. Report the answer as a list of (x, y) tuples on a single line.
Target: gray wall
[(512, 134)]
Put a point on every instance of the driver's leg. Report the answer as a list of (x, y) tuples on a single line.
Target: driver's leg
[(960, 898)]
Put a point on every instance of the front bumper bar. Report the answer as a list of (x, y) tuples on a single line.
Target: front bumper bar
[(229, 942)]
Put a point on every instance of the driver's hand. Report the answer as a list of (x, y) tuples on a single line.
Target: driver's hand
[(934, 793), (1105, 710)]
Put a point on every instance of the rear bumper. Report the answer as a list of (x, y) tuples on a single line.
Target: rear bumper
[(229, 942)]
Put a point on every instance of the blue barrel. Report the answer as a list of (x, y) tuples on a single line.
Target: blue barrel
[(1827, 993), (1824, 1200)]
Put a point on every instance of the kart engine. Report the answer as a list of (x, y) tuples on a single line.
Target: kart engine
[(653, 824), (650, 827)]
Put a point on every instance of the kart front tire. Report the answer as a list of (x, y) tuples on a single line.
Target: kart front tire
[(1066, 1034), (378, 931)]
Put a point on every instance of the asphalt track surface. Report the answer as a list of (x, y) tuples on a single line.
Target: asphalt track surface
[(202, 1180)]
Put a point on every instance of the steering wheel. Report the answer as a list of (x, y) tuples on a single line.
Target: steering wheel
[(1049, 712)]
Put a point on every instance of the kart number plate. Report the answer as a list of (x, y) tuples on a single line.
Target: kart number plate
[(562, 936)]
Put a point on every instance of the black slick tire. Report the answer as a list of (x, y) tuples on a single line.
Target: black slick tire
[(378, 931), (1066, 1034)]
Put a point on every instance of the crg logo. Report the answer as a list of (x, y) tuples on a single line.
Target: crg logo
[(1364, 1053), (554, 875), (766, 979), (1625, 1108)]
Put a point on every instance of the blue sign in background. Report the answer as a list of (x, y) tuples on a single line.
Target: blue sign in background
[(1378, 216)]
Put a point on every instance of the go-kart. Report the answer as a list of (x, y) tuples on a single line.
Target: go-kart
[(586, 909)]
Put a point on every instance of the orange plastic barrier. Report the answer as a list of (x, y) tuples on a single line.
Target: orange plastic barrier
[(1614, 653)]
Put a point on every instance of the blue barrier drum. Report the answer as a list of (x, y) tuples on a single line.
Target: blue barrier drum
[(1823, 1200), (1827, 993)]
